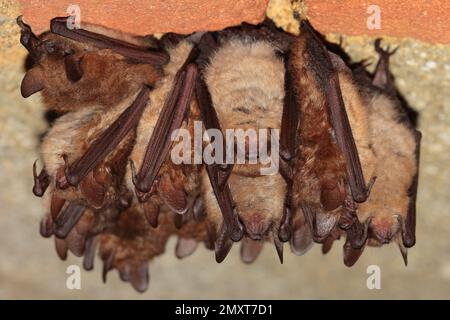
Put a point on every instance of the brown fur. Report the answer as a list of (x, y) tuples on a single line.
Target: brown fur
[(107, 77), (245, 79), (180, 181), (319, 171), (394, 147)]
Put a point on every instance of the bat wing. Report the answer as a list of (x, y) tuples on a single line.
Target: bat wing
[(132, 52), (172, 115), (328, 78)]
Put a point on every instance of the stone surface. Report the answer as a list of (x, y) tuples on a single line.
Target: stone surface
[(29, 267), (147, 17), (424, 20)]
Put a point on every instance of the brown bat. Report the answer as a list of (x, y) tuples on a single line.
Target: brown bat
[(389, 148), (86, 150), (327, 173), (159, 181)]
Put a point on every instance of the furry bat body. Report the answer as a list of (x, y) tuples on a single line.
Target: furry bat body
[(84, 164), (389, 148), (176, 186), (245, 78)]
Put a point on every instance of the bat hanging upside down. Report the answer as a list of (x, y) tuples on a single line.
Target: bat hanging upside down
[(347, 154)]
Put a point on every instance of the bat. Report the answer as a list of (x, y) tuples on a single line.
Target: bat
[(389, 147), (113, 184), (85, 150)]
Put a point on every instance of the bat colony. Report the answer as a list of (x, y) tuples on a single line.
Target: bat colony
[(348, 154)]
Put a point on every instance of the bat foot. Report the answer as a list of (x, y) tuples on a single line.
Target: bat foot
[(384, 54)]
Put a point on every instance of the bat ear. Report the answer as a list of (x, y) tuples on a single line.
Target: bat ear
[(32, 82), (72, 65), (29, 40)]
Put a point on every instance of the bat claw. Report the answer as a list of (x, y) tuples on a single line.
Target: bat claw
[(382, 52), (404, 252), (279, 248), (222, 246)]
